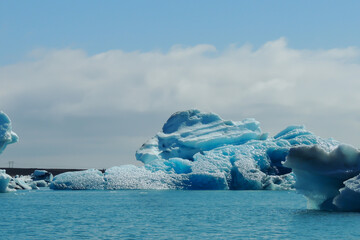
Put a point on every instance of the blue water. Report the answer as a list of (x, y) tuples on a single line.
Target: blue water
[(133, 214)]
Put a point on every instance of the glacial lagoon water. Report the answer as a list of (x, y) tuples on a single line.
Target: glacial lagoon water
[(169, 214)]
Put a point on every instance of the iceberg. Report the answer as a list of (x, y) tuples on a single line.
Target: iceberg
[(188, 132), (198, 150), (42, 175), (7, 136), (197, 144), (123, 177), (328, 177)]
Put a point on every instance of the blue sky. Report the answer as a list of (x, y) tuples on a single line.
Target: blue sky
[(98, 26), (86, 83)]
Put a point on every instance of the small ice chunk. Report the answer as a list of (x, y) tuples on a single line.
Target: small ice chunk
[(42, 175), (41, 183), (20, 182)]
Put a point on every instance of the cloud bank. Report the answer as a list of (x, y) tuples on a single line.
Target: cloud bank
[(274, 83)]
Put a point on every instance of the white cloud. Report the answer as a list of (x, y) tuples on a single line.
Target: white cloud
[(68, 82), (273, 82)]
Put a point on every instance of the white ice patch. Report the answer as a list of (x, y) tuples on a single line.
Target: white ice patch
[(80, 180), (132, 177)]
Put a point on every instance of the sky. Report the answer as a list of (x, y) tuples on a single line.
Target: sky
[(86, 83)]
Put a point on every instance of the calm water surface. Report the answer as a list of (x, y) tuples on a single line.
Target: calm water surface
[(138, 214)]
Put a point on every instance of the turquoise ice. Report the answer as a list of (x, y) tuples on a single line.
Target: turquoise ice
[(200, 150)]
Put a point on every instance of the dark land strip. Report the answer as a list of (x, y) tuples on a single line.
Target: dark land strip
[(27, 171)]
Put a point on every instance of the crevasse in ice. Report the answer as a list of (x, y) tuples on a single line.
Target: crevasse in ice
[(199, 150), (7, 136)]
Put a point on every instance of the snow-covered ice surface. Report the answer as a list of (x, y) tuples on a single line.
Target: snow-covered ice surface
[(199, 150), (81, 180)]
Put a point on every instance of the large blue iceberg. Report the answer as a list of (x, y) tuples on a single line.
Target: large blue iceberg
[(199, 150)]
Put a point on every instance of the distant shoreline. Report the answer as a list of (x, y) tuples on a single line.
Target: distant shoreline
[(27, 171)]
